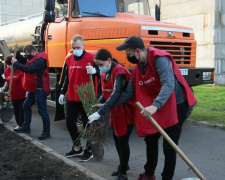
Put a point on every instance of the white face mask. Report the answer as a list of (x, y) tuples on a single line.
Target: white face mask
[(78, 53)]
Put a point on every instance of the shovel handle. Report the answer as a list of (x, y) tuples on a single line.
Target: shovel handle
[(11, 76), (174, 146), (90, 78)]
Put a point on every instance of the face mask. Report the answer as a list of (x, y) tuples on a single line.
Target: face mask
[(104, 69), (10, 66), (78, 53), (30, 56), (133, 59)]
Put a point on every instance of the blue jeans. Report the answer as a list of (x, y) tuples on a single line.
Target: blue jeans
[(40, 97)]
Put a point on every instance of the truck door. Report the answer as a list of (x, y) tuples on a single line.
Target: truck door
[(56, 43)]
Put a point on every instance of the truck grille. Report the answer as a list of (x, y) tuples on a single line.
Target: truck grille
[(181, 52)]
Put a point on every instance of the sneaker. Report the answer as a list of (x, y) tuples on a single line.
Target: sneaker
[(117, 171), (17, 127), (121, 177), (74, 153), (44, 136), (143, 176), (22, 130), (86, 156)]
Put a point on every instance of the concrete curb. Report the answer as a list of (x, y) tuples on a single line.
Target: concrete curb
[(206, 124), (54, 153)]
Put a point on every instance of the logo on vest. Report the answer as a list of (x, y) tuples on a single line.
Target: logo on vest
[(13, 77), (147, 81), (75, 67), (107, 90)]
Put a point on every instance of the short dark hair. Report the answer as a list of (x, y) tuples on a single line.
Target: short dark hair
[(103, 55), (29, 48)]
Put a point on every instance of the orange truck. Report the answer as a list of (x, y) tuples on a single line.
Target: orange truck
[(104, 24)]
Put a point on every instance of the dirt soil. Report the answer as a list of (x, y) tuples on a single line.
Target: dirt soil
[(20, 159)]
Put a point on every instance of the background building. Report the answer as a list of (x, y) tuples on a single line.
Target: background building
[(207, 18), (15, 9)]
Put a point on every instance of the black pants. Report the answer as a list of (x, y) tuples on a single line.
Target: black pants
[(123, 148), (18, 111), (73, 109), (170, 154)]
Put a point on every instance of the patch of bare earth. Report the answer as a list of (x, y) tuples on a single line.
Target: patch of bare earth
[(20, 159)]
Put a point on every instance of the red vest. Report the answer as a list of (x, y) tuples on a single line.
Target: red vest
[(121, 115), (17, 91), (77, 74), (30, 79), (147, 88)]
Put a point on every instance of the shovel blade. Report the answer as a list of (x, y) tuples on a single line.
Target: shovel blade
[(97, 151), (7, 112)]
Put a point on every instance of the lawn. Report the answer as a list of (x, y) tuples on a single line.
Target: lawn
[(210, 105)]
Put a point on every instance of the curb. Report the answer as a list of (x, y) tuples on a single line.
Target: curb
[(206, 124), (87, 172)]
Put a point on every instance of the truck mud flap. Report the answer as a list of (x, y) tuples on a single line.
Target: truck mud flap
[(59, 113)]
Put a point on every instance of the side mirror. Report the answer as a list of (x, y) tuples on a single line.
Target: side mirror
[(49, 5), (49, 16), (157, 12)]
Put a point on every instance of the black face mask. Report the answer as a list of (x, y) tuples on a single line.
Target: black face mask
[(29, 56), (132, 59)]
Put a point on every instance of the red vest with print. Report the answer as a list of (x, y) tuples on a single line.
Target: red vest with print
[(121, 115), (77, 74), (147, 88), (17, 91), (30, 79)]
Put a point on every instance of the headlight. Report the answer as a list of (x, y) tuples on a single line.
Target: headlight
[(207, 76)]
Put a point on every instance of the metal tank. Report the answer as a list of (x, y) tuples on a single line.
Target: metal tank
[(20, 32)]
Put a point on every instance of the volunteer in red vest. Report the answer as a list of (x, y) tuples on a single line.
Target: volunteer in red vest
[(114, 79), (76, 73), (36, 83), (17, 92), (158, 85)]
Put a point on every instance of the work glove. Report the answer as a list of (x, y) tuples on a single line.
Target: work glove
[(13, 60), (2, 89), (95, 116), (90, 70), (61, 99)]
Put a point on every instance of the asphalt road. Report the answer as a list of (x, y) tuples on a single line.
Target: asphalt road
[(204, 146)]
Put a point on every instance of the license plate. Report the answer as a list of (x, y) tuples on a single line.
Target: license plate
[(184, 72)]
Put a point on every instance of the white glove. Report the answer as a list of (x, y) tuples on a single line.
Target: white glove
[(13, 60), (93, 117), (2, 89), (61, 99), (90, 70)]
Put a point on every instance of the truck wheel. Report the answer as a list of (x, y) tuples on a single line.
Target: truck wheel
[(190, 107), (190, 111)]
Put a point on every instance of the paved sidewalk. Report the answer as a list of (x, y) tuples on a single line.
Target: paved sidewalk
[(204, 146)]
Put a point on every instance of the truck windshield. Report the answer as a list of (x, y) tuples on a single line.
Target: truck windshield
[(133, 6), (102, 8)]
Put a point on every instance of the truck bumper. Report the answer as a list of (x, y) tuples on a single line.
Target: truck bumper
[(198, 76)]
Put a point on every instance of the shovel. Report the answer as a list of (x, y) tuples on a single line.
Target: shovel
[(173, 145), (7, 110), (96, 147)]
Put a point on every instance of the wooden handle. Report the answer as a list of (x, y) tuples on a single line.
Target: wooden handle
[(90, 75), (91, 80), (11, 77), (174, 146)]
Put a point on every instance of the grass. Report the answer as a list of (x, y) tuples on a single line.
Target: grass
[(210, 106)]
